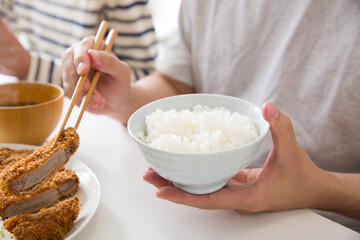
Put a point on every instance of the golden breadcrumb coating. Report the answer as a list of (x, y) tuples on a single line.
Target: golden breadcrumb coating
[(36, 159), (49, 224), (59, 178), (10, 156)]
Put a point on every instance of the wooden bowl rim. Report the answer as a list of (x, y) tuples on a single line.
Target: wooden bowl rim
[(60, 96)]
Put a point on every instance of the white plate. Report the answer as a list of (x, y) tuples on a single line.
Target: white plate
[(88, 192)]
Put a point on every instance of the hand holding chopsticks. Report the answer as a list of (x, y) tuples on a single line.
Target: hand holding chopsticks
[(108, 45)]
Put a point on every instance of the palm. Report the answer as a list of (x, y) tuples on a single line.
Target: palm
[(243, 178)]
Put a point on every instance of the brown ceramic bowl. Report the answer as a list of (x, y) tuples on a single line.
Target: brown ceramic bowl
[(29, 111)]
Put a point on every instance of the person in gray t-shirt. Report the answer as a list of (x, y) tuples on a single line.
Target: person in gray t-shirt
[(302, 56)]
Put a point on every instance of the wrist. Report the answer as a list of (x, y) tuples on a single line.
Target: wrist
[(123, 112), (340, 193), (325, 185), (15, 66), (25, 65)]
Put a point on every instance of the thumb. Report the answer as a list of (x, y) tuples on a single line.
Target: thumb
[(108, 63), (282, 131)]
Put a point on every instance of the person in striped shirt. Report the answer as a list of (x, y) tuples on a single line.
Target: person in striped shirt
[(48, 27)]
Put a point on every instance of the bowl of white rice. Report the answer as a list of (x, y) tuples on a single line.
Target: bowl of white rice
[(198, 141)]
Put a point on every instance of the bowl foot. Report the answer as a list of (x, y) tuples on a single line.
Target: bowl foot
[(200, 189)]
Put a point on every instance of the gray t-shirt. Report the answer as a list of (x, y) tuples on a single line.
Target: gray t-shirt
[(303, 55)]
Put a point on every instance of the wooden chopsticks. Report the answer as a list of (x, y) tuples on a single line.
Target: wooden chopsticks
[(108, 45)]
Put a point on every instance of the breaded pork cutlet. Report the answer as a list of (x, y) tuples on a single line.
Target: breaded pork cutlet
[(10, 156), (49, 224), (63, 184), (25, 175)]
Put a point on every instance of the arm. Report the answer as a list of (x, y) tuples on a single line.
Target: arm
[(14, 59), (288, 180), (341, 194)]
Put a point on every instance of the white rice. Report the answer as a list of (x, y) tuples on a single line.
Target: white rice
[(4, 234), (201, 130)]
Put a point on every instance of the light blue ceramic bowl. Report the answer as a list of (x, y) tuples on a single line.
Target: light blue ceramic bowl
[(199, 173)]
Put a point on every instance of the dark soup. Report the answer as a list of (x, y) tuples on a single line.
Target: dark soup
[(18, 104)]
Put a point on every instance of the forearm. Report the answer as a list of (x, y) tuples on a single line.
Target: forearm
[(148, 89), (14, 59), (341, 194)]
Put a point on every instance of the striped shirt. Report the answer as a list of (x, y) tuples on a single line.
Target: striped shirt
[(51, 26)]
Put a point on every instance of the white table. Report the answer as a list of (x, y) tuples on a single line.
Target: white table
[(130, 210)]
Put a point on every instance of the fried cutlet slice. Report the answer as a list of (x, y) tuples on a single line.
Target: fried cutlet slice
[(64, 184), (10, 156), (23, 176), (49, 224)]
